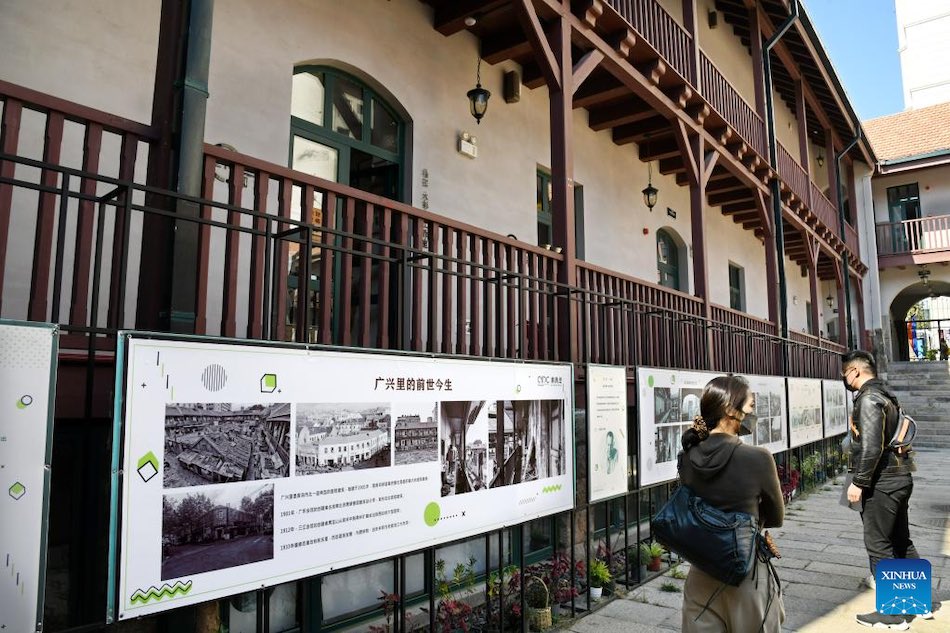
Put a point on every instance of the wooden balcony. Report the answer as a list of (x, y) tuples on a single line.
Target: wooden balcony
[(922, 241), (285, 256), (731, 106)]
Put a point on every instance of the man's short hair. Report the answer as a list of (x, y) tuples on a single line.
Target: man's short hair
[(864, 360)]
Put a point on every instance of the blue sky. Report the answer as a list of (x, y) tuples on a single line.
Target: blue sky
[(861, 39)]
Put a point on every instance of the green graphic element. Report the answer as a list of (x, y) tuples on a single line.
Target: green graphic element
[(432, 514), (17, 490), (553, 488), (148, 466), (24, 401), (268, 383), (165, 591), (650, 381)]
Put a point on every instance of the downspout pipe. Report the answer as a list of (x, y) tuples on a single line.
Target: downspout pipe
[(191, 138), (841, 231), (779, 232)]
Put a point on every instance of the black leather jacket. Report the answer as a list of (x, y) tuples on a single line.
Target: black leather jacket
[(875, 420)]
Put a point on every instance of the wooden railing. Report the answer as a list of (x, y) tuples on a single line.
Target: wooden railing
[(380, 271), (743, 343), (851, 239), (659, 29), (628, 321), (924, 235), (791, 172), (731, 106), (827, 212)]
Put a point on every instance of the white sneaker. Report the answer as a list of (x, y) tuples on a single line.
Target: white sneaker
[(868, 581)]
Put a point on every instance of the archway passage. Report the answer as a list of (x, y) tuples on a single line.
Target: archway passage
[(920, 314)]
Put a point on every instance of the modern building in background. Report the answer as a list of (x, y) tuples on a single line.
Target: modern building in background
[(639, 189), (923, 37)]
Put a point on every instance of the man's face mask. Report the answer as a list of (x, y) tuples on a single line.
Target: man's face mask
[(849, 375)]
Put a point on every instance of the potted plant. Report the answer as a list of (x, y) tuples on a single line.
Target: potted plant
[(599, 576), (537, 597), (652, 553)]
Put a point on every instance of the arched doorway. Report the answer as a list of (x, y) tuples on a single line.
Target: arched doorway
[(670, 252), (344, 128), (920, 315)]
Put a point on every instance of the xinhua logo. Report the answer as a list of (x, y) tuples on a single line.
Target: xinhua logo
[(903, 586)]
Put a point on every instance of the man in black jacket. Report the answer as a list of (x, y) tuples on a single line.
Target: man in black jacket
[(881, 478)]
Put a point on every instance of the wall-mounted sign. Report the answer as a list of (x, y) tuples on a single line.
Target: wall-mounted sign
[(27, 364), (836, 407), (249, 466), (607, 431), (767, 424), (804, 411)]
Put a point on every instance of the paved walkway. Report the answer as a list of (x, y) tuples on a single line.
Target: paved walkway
[(823, 562)]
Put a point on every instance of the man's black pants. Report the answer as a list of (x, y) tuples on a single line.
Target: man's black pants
[(884, 512)]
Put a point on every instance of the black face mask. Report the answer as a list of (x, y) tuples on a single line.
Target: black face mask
[(847, 385)]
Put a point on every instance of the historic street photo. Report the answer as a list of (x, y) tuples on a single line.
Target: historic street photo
[(416, 433), (463, 446), (333, 437), (525, 441), (668, 441), (222, 441), (217, 527), (689, 407), (666, 405)]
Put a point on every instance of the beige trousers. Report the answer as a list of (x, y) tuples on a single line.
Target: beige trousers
[(739, 609)]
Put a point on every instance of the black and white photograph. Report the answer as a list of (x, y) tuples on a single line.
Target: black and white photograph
[(689, 407), (218, 527), (463, 446), (220, 442), (416, 433), (334, 437), (776, 403), (778, 430), (667, 405), (667, 442), (762, 431), (762, 407), (526, 441)]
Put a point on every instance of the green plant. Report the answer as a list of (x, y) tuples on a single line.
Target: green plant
[(678, 573), (599, 573), (670, 587), (651, 550), (536, 594)]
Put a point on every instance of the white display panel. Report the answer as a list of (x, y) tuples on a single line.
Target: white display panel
[(607, 431), (835, 398), (667, 403), (804, 411), (768, 424), (249, 466), (27, 363)]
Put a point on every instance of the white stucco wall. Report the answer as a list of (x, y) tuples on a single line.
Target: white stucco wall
[(99, 53), (726, 51)]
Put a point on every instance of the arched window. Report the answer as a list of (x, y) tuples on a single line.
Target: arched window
[(343, 130), (667, 260)]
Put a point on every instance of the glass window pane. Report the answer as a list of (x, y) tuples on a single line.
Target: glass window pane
[(307, 97), (242, 613), (355, 590), (384, 128), (283, 608), (347, 108)]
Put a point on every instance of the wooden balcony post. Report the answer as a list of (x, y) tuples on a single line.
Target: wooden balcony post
[(689, 22), (771, 262), (830, 162), (553, 53), (842, 307), (812, 249), (755, 36), (802, 131)]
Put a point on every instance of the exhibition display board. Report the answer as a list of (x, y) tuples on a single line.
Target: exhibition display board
[(668, 400), (28, 353), (835, 398), (607, 431), (247, 466), (767, 424), (804, 411)]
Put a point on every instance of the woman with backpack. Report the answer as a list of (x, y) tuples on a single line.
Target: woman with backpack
[(734, 477)]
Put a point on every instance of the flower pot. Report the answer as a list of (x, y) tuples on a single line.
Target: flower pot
[(643, 573), (596, 593), (655, 563)]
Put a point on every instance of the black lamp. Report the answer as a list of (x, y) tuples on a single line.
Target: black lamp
[(649, 192), (830, 301), (478, 96)]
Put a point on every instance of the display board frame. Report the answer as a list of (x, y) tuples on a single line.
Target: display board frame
[(608, 455), (805, 411), (23, 376), (835, 412), (533, 396)]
